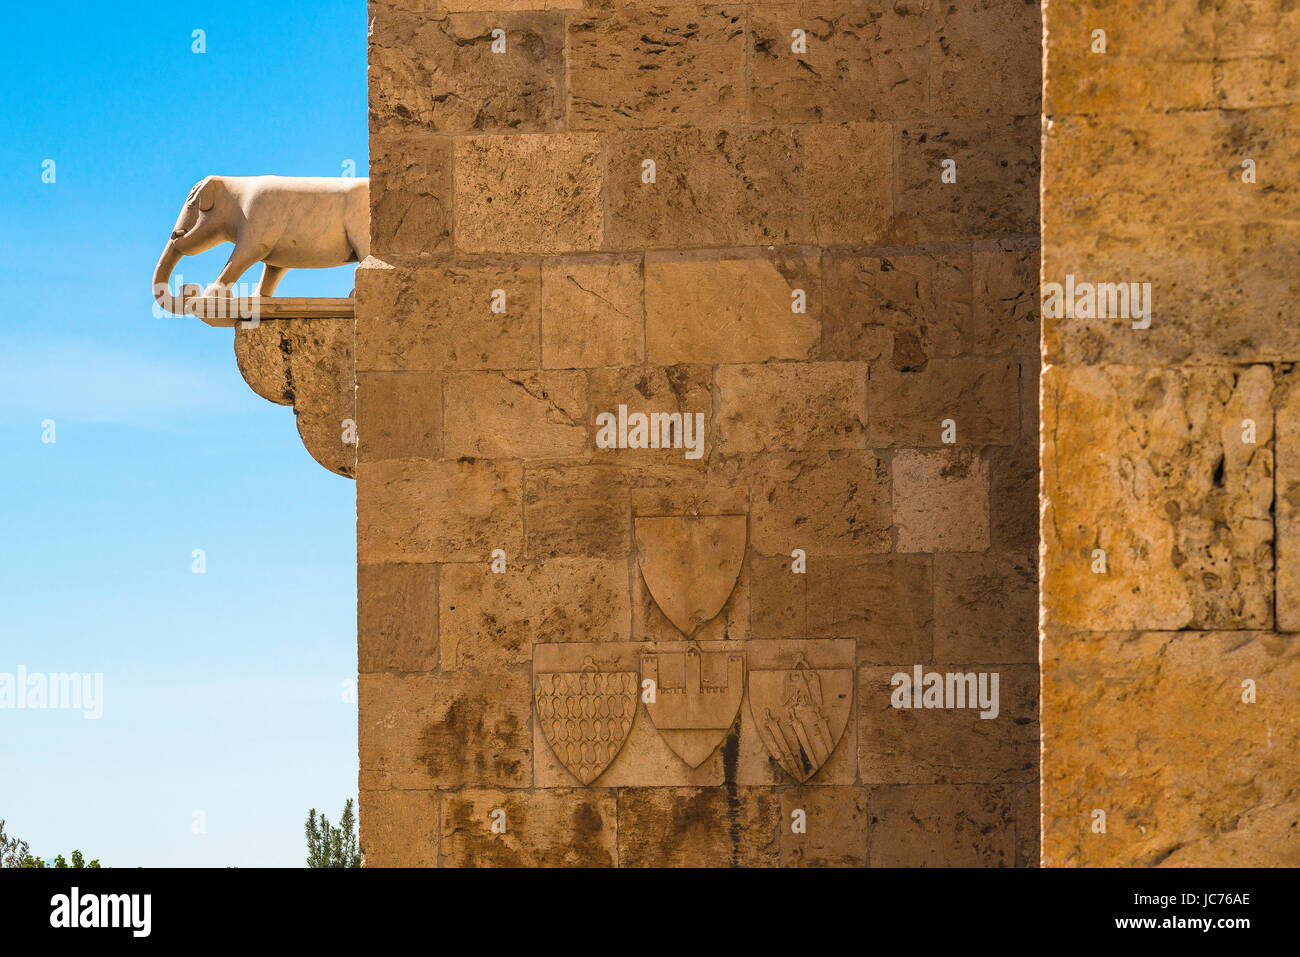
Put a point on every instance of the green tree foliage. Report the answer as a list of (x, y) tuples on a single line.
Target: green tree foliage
[(59, 861), (330, 846), (12, 851)]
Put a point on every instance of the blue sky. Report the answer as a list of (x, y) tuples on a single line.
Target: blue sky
[(223, 692)]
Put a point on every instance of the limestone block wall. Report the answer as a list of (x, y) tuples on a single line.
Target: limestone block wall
[(1171, 471), (808, 231)]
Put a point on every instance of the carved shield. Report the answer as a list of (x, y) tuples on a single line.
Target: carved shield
[(691, 709), (585, 716), (691, 563), (801, 714)]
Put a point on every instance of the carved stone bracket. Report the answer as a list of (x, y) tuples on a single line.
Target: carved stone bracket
[(308, 364)]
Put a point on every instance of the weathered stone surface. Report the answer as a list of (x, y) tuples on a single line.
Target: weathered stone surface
[(831, 80), (683, 389), (439, 73), (983, 58), (491, 621), (1237, 256), (577, 510), (510, 415), (786, 405), (986, 607), (397, 617), (980, 397), (885, 602), (399, 415), (445, 731), (1005, 299), (941, 501), (556, 178), (832, 503), (422, 511), (306, 363), (797, 274), (1014, 474), (901, 310), (410, 194), (941, 827), (400, 828), (440, 317), (713, 187), (1150, 467), (731, 310), (662, 64), (849, 180), (552, 828), (1286, 503), (592, 313), (997, 179), (1029, 813), (1152, 729), (948, 745), (699, 827), (835, 821)]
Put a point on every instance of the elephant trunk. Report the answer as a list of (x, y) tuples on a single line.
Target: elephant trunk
[(162, 276)]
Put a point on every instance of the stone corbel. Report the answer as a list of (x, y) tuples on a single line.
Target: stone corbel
[(302, 354), (308, 364)]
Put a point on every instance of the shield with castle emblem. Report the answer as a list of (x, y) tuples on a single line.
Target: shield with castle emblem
[(696, 698), (801, 713), (691, 563), (585, 716)]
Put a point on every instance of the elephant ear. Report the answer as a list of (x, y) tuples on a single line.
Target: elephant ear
[(207, 194)]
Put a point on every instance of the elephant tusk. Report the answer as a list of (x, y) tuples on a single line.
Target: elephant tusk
[(162, 276)]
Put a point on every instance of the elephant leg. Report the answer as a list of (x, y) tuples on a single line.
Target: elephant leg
[(241, 260), (271, 276)]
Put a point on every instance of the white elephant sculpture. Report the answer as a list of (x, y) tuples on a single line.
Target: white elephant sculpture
[(286, 222)]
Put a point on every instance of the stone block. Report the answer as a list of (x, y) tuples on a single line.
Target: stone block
[(510, 415), (973, 401), (1153, 730), (656, 65), (996, 188), (466, 729), (399, 415), (713, 187), (410, 194), (534, 193), (731, 310), (792, 406), (592, 313), (849, 180), (577, 510), (438, 72), (948, 745), (834, 78), (397, 617), (835, 821), (421, 511), (441, 317), (899, 310), (1149, 468), (554, 828), (491, 621), (699, 827), (400, 828), (941, 500), (834, 503), (941, 826)]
